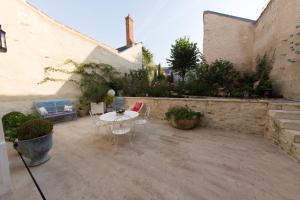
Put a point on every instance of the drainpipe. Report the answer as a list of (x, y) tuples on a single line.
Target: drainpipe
[(5, 179)]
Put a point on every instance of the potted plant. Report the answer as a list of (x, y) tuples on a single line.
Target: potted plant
[(109, 100), (83, 107), (183, 117), (35, 140)]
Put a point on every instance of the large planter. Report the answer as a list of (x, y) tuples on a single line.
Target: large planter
[(36, 149), (185, 124), (83, 112)]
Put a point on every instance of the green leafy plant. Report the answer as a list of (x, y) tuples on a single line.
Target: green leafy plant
[(184, 56), (263, 84), (34, 128), (159, 89), (84, 103), (208, 79), (136, 83), (182, 112), (109, 99), (12, 121)]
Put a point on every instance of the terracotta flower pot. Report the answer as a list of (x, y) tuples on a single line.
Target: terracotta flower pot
[(83, 112), (185, 124)]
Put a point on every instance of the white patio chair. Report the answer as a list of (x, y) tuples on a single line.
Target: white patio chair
[(99, 123), (142, 119), (121, 128)]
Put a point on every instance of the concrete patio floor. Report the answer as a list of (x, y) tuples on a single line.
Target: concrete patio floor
[(162, 163)]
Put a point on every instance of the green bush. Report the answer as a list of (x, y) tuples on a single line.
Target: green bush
[(159, 89), (136, 83), (207, 79), (12, 121), (34, 128), (182, 112)]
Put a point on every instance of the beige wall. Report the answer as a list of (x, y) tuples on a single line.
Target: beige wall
[(230, 38), (275, 25), (36, 41), (236, 45), (244, 116)]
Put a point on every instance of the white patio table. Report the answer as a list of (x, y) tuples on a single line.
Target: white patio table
[(113, 116)]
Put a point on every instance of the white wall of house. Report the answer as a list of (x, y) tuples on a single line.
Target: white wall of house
[(36, 41), (5, 181)]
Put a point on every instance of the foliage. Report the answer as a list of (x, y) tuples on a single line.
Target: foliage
[(182, 112), (159, 89), (207, 79), (136, 83), (83, 103), (147, 57), (262, 75), (95, 79), (184, 56), (109, 99), (12, 121), (34, 128)]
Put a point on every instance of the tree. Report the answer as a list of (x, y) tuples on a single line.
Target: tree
[(184, 56), (148, 63)]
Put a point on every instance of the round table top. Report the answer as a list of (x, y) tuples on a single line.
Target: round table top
[(112, 116)]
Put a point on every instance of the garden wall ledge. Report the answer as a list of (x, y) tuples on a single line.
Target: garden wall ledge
[(239, 115)]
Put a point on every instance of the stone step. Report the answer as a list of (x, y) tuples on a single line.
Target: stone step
[(296, 151), (292, 135), (285, 114), (286, 106), (289, 124)]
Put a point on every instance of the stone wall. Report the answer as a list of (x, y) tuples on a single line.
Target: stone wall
[(236, 45), (36, 41), (272, 36), (244, 116), (241, 41)]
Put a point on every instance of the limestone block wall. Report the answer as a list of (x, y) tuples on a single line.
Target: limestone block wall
[(272, 36), (241, 41), (36, 41), (244, 116), (229, 38)]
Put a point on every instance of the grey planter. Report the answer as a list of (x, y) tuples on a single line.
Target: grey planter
[(36, 149)]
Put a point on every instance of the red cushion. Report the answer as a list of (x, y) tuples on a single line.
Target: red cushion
[(137, 106)]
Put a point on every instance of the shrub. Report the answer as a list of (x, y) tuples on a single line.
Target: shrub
[(182, 112), (263, 70), (34, 128), (159, 89), (136, 83), (207, 79), (12, 121)]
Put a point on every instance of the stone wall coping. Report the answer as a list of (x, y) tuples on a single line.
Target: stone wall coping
[(229, 100)]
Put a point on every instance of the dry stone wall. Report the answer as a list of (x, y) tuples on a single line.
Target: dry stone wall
[(244, 116)]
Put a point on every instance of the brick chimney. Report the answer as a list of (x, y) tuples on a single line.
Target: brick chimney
[(129, 32)]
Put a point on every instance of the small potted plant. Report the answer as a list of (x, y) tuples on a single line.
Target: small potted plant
[(109, 100), (83, 107), (183, 117), (35, 141)]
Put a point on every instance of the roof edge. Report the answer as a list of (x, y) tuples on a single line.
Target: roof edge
[(229, 16)]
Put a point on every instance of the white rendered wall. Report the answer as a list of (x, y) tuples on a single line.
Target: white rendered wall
[(5, 181)]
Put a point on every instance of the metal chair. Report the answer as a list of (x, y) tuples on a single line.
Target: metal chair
[(121, 128), (143, 119), (98, 123)]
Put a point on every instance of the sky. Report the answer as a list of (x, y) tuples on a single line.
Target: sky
[(157, 23)]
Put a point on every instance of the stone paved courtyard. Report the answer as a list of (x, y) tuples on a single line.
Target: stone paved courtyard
[(162, 163)]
